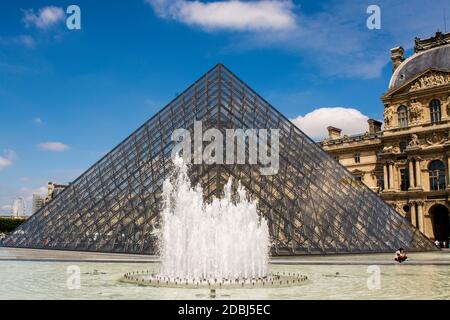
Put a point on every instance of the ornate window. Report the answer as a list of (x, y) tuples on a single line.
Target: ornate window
[(437, 175), (435, 111), (357, 157), (402, 114)]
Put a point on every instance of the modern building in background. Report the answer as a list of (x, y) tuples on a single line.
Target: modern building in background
[(408, 162), (53, 190), (38, 202)]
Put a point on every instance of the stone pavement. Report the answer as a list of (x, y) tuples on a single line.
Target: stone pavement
[(58, 255), (425, 258)]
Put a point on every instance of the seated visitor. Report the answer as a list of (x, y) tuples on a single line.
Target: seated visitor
[(400, 255)]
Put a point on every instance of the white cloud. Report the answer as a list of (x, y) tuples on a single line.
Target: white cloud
[(315, 123), (4, 162), (38, 121), (7, 158), (6, 207), (333, 37), (45, 18), (27, 41), (229, 15), (53, 146), (22, 40), (28, 192)]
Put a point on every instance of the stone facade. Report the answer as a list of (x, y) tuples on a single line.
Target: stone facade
[(53, 190), (408, 162)]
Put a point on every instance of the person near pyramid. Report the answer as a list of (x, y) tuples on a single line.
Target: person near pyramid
[(400, 255)]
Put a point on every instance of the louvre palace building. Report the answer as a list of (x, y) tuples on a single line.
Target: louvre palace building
[(407, 162)]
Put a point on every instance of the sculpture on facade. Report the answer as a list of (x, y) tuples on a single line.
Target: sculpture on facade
[(414, 141), (416, 112), (436, 139), (391, 149), (431, 80), (388, 115), (448, 106)]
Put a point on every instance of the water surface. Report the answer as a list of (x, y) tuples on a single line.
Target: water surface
[(48, 280)]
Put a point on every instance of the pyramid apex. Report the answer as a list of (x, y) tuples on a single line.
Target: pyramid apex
[(219, 66)]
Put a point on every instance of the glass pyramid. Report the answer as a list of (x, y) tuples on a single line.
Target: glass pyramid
[(313, 204)]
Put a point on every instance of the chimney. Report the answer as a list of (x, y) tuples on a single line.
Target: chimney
[(397, 57), (334, 133), (374, 126)]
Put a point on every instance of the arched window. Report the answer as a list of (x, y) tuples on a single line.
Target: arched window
[(402, 114), (437, 175), (435, 111)]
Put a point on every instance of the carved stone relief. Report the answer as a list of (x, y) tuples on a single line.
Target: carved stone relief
[(391, 149), (432, 79), (388, 117), (414, 141), (436, 138), (416, 112)]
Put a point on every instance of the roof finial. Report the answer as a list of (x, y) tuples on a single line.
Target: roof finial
[(445, 21)]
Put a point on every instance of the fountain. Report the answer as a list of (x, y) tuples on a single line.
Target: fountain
[(221, 244)]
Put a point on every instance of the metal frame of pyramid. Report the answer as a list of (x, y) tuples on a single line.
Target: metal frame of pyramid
[(313, 204)]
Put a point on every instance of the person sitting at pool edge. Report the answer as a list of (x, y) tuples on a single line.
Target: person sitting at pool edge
[(400, 255)]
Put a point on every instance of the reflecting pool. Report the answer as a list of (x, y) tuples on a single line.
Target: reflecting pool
[(49, 280)]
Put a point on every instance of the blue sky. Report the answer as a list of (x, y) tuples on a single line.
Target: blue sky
[(69, 96)]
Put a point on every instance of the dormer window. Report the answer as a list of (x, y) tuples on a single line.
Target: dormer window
[(402, 115), (435, 111)]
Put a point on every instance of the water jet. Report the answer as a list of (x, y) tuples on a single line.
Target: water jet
[(224, 243)]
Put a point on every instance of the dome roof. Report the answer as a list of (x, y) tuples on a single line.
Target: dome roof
[(436, 58)]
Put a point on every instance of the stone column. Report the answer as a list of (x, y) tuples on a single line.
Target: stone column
[(385, 175), (420, 215), (411, 174), (418, 174), (448, 171), (412, 210), (391, 176)]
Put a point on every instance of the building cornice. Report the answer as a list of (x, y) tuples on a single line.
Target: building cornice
[(443, 126)]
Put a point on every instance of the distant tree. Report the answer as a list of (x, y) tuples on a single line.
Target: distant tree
[(9, 224)]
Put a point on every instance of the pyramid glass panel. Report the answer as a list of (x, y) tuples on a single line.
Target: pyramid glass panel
[(312, 204)]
